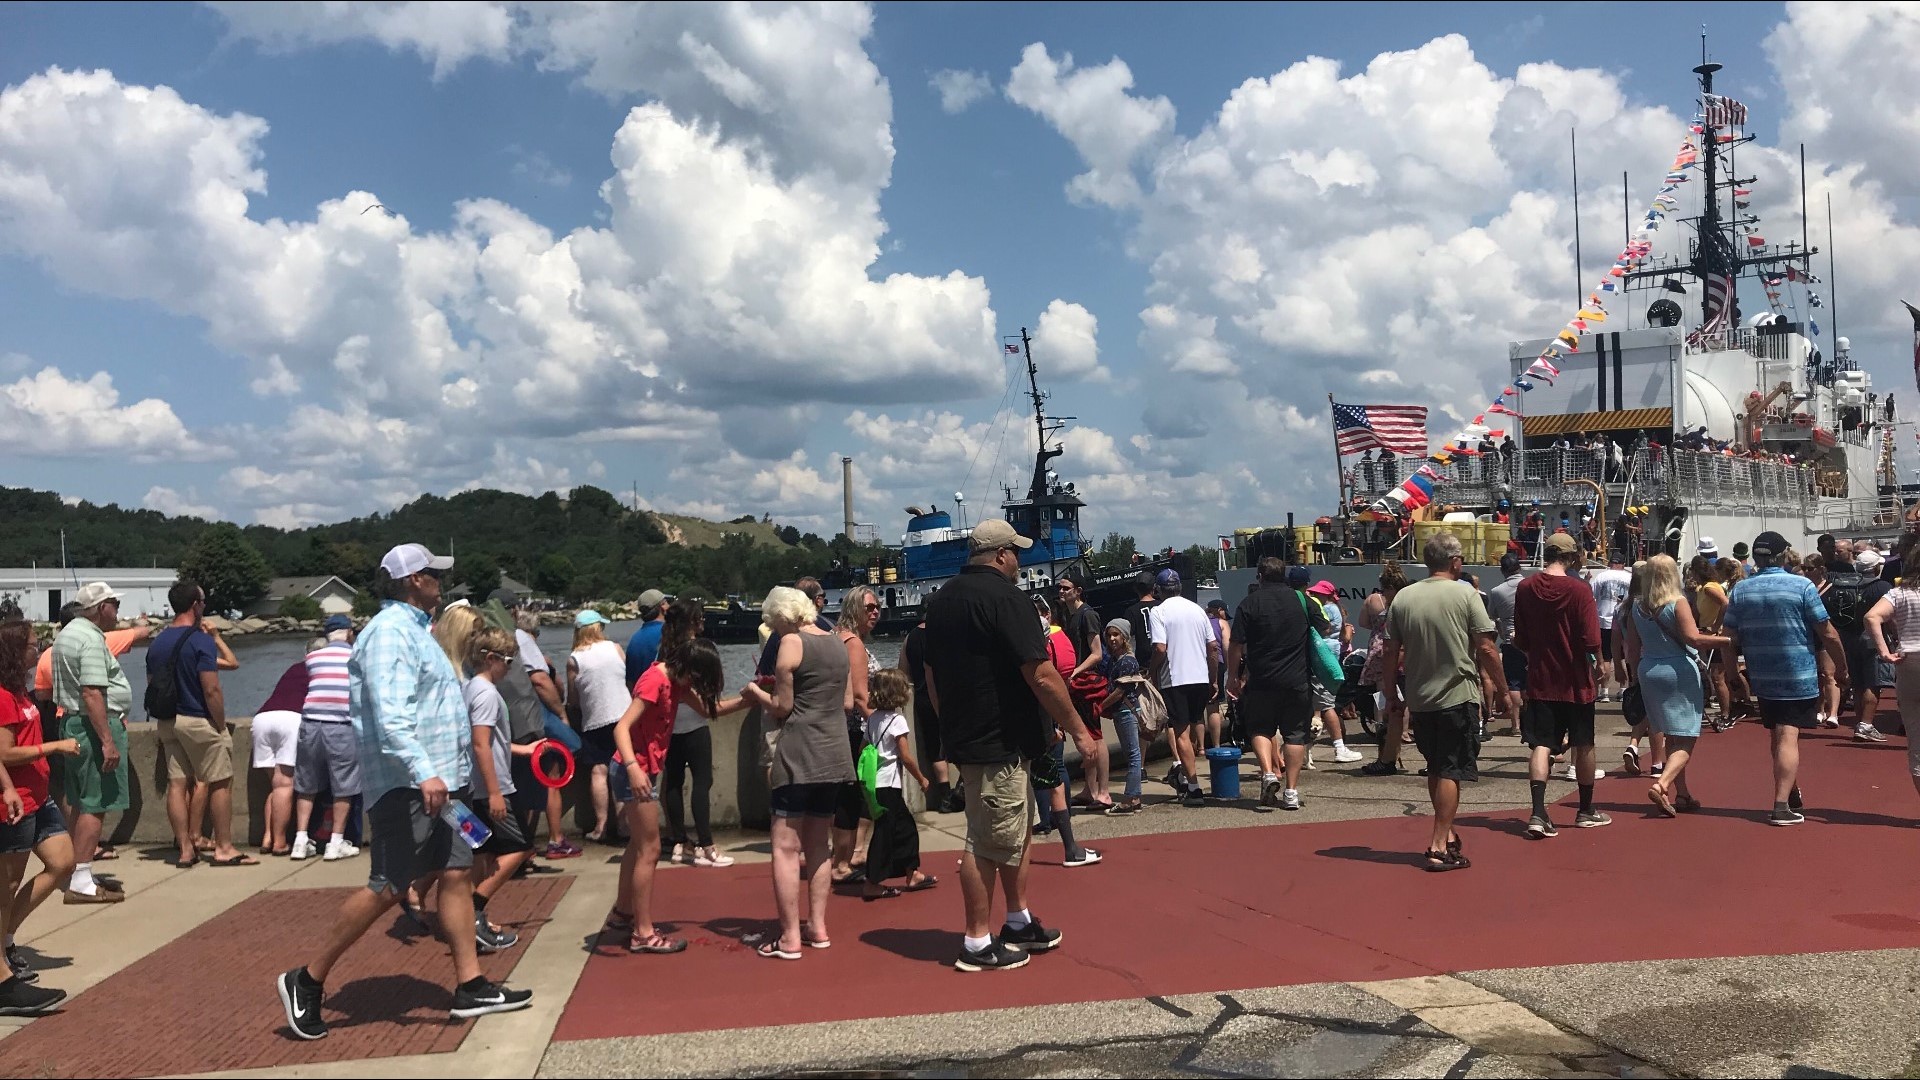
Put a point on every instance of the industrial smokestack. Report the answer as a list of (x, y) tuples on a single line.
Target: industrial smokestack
[(846, 488)]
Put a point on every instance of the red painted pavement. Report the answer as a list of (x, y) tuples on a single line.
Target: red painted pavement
[(1339, 901)]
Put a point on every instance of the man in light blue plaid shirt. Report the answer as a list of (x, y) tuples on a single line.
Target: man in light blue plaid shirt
[(415, 745)]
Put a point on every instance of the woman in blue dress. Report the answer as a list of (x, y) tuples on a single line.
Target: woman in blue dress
[(1662, 640)]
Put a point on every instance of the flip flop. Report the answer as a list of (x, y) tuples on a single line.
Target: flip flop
[(922, 885), (105, 853), (186, 864), (772, 951), (1659, 798), (242, 859), (886, 893)]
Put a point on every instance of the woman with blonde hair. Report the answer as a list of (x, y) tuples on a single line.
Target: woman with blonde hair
[(809, 700), (1900, 609), (1661, 640), (597, 695), (859, 611), (454, 629)]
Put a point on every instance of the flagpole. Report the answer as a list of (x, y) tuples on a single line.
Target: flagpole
[(1339, 460)]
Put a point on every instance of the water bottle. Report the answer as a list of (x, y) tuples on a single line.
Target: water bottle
[(466, 823)]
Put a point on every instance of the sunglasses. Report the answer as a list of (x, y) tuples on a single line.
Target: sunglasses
[(871, 606)]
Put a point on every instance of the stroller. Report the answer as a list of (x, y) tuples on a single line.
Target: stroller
[(1355, 700)]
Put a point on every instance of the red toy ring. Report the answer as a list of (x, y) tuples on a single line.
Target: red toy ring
[(565, 777)]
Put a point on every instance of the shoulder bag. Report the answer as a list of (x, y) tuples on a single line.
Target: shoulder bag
[(1325, 655)]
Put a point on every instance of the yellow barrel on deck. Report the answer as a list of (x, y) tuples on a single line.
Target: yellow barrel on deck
[(1304, 537), (1493, 540), (1467, 532)]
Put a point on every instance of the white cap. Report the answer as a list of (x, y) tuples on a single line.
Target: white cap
[(1868, 561), (1708, 547), (93, 594), (409, 559)]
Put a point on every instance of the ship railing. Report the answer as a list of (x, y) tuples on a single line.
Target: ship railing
[(1706, 481), (1872, 513), (1743, 339), (1525, 476)]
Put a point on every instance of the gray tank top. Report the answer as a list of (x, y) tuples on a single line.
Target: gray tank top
[(813, 741)]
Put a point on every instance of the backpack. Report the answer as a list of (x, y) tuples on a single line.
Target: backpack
[(163, 695), (1847, 602), (1152, 707)]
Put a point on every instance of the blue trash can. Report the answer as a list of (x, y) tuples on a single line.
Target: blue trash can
[(1224, 761)]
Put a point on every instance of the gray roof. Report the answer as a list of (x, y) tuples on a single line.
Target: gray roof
[(282, 587)]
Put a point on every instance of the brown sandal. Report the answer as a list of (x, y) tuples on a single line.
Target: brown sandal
[(1658, 796)]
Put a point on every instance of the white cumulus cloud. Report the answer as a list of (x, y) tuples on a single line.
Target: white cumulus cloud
[(178, 504), (960, 89), (1067, 337), (84, 418)]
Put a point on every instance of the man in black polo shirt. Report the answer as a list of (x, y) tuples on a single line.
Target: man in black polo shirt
[(1270, 631), (996, 690)]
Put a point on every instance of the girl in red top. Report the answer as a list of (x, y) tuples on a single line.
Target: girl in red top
[(691, 673), (33, 822)]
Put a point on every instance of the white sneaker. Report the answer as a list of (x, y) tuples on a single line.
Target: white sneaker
[(711, 857), (1290, 799), (304, 849), (1605, 697), (339, 849), (1346, 754)]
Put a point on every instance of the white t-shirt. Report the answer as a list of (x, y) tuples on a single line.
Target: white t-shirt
[(531, 657), (1181, 625), (1610, 588), (884, 731), (602, 678), (687, 719), (486, 708)]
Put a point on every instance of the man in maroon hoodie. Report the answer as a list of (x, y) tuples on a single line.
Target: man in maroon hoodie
[(1557, 626)]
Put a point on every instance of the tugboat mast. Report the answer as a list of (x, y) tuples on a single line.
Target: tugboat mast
[(1046, 427)]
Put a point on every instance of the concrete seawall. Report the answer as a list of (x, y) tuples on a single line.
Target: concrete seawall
[(738, 798)]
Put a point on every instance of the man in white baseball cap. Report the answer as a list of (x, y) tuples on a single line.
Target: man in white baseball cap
[(410, 559), (92, 689), (416, 752), (1708, 548)]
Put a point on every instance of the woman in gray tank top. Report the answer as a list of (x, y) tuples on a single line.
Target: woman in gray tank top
[(809, 700)]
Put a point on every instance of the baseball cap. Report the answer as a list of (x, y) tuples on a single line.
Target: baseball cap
[(1561, 542), (407, 560), (1708, 547), (1868, 561), (993, 534), (588, 617), (336, 622), (1297, 576), (651, 599), (1167, 579), (1322, 588), (93, 594), (1769, 544)]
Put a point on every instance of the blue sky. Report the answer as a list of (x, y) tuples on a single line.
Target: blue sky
[(801, 253)]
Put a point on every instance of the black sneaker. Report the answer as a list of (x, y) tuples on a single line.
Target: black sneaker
[(1540, 828), (488, 997), (1032, 938), (997, 956), (1786, 817), (1380, 768), (300, 996), (19, 999), (17, 963), (1195, 797)]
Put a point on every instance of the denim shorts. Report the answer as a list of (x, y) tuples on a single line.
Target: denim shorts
[(622, 788), (30, 831)]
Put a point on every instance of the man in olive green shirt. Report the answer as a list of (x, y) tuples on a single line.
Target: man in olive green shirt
[(90, 686), (1441, 630)]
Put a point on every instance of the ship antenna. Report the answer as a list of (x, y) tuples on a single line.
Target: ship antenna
[(1044, 426)]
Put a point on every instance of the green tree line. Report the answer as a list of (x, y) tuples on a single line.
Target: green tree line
[(586, 546)]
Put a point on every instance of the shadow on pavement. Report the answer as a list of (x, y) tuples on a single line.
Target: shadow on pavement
[(928, 946), (1373, 855)]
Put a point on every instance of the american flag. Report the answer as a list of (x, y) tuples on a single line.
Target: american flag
[(1012, 349), (1399, 429), (1725, 112), (1719, 308)]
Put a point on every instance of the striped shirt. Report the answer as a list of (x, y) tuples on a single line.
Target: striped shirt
[(1777, 617), (408, 706), (328, 685)]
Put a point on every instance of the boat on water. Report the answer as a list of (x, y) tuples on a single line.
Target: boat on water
[(933, 547), (1705, 424)]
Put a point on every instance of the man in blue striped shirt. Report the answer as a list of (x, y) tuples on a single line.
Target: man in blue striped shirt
[(1776, 621), (415, 749)]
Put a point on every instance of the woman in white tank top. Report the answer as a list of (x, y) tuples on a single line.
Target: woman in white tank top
[(597, 694)]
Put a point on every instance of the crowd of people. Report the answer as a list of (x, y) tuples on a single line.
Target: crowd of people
[(431, 715)]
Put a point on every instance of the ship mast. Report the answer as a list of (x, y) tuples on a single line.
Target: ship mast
[(1046, 427)]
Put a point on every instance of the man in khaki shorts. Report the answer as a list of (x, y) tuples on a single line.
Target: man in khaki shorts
[(197, 740), (999, 698)]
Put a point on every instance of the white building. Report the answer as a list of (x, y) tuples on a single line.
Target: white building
[(39, 591)]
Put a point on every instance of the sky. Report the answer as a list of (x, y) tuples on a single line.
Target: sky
[(297, 262)]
